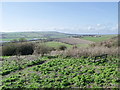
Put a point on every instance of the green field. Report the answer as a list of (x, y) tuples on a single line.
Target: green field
[(6, 39), (99, 39), (30, 35), (58, 72), (4, 57), (47, 34)]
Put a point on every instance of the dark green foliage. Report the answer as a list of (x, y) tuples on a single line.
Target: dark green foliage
[(19, 40), (14, 40), (9, 50), (25, 49), (13, 66), (62, 47), (17, 48), (63, 73), (22, 40)]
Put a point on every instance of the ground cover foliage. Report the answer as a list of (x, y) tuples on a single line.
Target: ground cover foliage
[(59, 72)]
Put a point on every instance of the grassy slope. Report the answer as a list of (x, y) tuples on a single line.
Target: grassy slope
[(98, 39), (95, 39)]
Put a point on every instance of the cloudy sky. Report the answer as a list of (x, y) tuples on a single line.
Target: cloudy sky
[(67, 17)]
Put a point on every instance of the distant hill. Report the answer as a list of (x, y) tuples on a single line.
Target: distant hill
[(7, 36), (31, 35)]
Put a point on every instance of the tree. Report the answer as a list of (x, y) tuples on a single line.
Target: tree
[(42, 49), (62, 47), (14, 40), (22, 39)]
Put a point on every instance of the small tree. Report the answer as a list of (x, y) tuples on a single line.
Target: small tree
[(25, 48), (42, 49), (22, 39), (62, 47), (14, 40)]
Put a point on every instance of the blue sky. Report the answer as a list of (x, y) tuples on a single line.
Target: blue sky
[(68, 17)]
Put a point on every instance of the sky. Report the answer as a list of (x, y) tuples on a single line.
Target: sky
[(66, 17)]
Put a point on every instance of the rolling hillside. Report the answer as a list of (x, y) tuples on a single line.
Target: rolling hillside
[(31, 35), (99, 39)]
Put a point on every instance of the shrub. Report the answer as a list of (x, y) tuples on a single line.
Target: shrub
[(25, 49), (0, 50), (17, 48), (22, 39), (42, 49), (62, 47), (14, 40), (9, 50)]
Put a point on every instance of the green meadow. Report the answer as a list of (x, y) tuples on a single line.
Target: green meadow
[(98, 39)]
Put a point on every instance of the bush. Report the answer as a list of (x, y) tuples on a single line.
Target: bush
[(113, 42), (42, 49), (62, 47), (17, 48), (25, 49), (9, 50), (22, 39), (14, 40)]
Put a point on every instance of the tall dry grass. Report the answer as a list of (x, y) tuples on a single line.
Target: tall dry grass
[(87, 52)]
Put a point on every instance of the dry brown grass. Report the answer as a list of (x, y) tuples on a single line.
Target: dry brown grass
[(87, 52), (108, 43), (0, 51), (73, 41)]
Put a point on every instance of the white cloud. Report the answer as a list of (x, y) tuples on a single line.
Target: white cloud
[(97, 28), (91, 28), (115, 28), (104, 28), (98, 25)]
